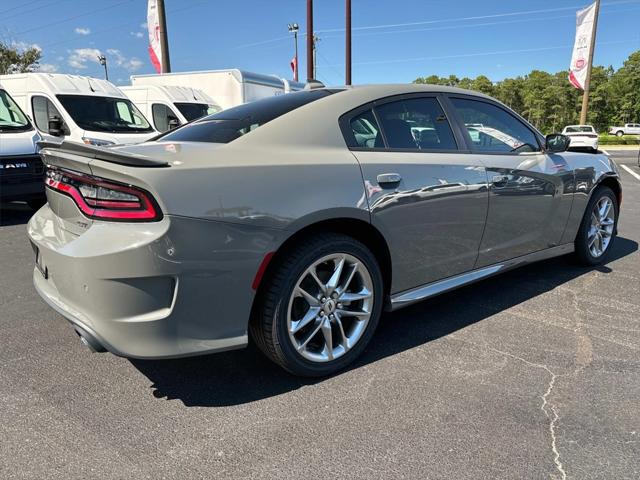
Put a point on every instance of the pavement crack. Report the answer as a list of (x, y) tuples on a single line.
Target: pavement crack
[(547, 407)]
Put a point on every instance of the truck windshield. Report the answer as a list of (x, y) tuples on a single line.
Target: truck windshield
[(11, 117), (230, 124), (192, 111), (105, 114)]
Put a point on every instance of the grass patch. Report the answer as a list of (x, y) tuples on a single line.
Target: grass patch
[(606, 139)]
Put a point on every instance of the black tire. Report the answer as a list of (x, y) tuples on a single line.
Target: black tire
[(582, 252), (619, 133), (37, 203), (268, 327)]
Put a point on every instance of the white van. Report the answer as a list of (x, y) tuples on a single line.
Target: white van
[(21, 170), (227, 88), (79, 109), (168, 106)]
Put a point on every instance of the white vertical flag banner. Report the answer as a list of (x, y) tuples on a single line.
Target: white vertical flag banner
[(153, 23), (582, 46)]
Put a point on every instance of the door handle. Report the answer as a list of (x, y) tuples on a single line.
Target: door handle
[(389, 179)]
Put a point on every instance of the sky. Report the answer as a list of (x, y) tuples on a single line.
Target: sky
[(393, 40)]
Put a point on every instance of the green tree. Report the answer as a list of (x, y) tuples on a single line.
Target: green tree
[(16, 60)]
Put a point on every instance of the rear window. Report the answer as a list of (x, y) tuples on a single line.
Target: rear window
[(579, 129), (228, 125)]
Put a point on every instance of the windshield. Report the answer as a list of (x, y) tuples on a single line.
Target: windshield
[(228, 125), (105, 114), (11, 117), (193, 111)]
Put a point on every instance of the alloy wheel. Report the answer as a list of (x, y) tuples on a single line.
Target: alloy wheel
[(602, 225), (330, 307)]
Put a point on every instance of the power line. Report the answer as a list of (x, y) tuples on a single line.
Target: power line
[(445, 20), (477, 54), (18, 6), (58, 22)]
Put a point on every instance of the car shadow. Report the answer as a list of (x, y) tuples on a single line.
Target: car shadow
[(243, 376), (14, 214)]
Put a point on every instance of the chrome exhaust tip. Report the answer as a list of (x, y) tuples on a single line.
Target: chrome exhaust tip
[(89, 341)]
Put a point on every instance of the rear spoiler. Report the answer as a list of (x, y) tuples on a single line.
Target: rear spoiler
[(101, 153)]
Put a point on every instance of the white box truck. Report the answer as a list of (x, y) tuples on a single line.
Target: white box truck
[(228, 88), (76, 108), (168, 106), (21, 170)]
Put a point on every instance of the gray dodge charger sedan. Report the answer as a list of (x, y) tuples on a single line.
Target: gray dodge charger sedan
[(296, 220)]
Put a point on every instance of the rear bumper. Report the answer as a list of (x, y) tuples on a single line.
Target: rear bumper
[(585, 142), (173, 288)]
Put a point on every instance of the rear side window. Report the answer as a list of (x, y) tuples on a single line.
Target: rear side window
[(228, 125), (366, 131), (416, 123), (493, 130)]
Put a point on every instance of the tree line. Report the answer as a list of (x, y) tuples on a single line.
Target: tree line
[(550, 102)]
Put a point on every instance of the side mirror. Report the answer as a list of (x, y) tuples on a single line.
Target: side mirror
[(173, 123), (556, 142), (56, 126)]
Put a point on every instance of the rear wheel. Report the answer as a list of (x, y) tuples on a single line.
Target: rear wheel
[(320, 307), (598, 228), (619, 133)]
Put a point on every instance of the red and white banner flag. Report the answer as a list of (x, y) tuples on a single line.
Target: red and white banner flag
[(294, 67), (582, 46), (153, 23)]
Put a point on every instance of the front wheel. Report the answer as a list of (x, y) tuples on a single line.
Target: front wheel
[(321, 305), (598, 228)]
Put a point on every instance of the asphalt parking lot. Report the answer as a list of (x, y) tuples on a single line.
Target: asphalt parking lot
[(534, 374)]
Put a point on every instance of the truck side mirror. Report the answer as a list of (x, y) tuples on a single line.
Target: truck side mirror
[(56, 126), (173, 123)]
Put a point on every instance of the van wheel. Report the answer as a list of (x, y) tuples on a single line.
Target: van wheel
[(320, 307), (598, 228)]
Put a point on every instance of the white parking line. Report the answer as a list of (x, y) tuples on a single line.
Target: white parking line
[(631, 172)]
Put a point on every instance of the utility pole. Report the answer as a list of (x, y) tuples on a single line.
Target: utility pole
[(164, 40), (310, 42), (587, 82), (348, 43), (103, 61), (293, 27)]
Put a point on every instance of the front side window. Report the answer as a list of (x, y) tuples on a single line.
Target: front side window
[(105, 114), (415, 123), (43, 111), (231, 124), (493, 130), (161, 116), (11, 117)]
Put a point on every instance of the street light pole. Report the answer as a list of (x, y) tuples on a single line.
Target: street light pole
[(348, 43), (310, 42), (103, 61), (293, 27)]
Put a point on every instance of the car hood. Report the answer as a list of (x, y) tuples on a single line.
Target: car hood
[(18, 143)]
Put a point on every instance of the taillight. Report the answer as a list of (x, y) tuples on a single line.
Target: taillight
[(103, 199)]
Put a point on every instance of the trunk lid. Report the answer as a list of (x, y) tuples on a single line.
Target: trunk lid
[(78, 158)]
